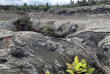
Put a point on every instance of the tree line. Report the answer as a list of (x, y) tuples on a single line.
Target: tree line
[(25, 7), (46, 7), (86, 3)]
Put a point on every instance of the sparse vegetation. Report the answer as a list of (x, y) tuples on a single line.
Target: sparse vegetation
[(79, 67), (25, 21), (66, 30), (46, 7), (47, 72), (76, 14), (25, 7), (2, 20), (47, 30)]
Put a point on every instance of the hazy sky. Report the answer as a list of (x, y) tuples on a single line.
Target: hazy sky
[(20, 2)]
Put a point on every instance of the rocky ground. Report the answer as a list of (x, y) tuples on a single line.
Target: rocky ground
[(27, 52), (6, 15)]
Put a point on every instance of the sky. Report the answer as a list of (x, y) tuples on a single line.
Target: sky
[(36, 2)]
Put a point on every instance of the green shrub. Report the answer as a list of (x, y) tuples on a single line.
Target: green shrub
[(25, 21), (21, 12), (2, 20), (77, 14), (79, 67), (46, 9), (98, 3), (47, 30), (47, 72)]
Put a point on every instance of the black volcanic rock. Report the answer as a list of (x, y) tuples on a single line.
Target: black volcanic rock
[(17, 52)]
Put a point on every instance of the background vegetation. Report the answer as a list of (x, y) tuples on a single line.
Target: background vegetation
[(46, 7)]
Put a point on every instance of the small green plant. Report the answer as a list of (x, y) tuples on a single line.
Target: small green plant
[(47, 30), (77, 14), (2, 20), (79, 67), (47, 72)]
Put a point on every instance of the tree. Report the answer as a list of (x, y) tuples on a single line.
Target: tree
[(71, 2), (82, 3), (25, 4), (47, 4), (25, 21), (46, 8), (92, 2), (105, 1)]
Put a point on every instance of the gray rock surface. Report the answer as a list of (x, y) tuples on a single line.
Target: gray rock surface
[(98, 9), (63, 28), (28, 52), (32, 53), (8, 25)]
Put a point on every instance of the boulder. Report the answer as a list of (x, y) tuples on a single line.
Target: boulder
[(8, 25), (63, 28)]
